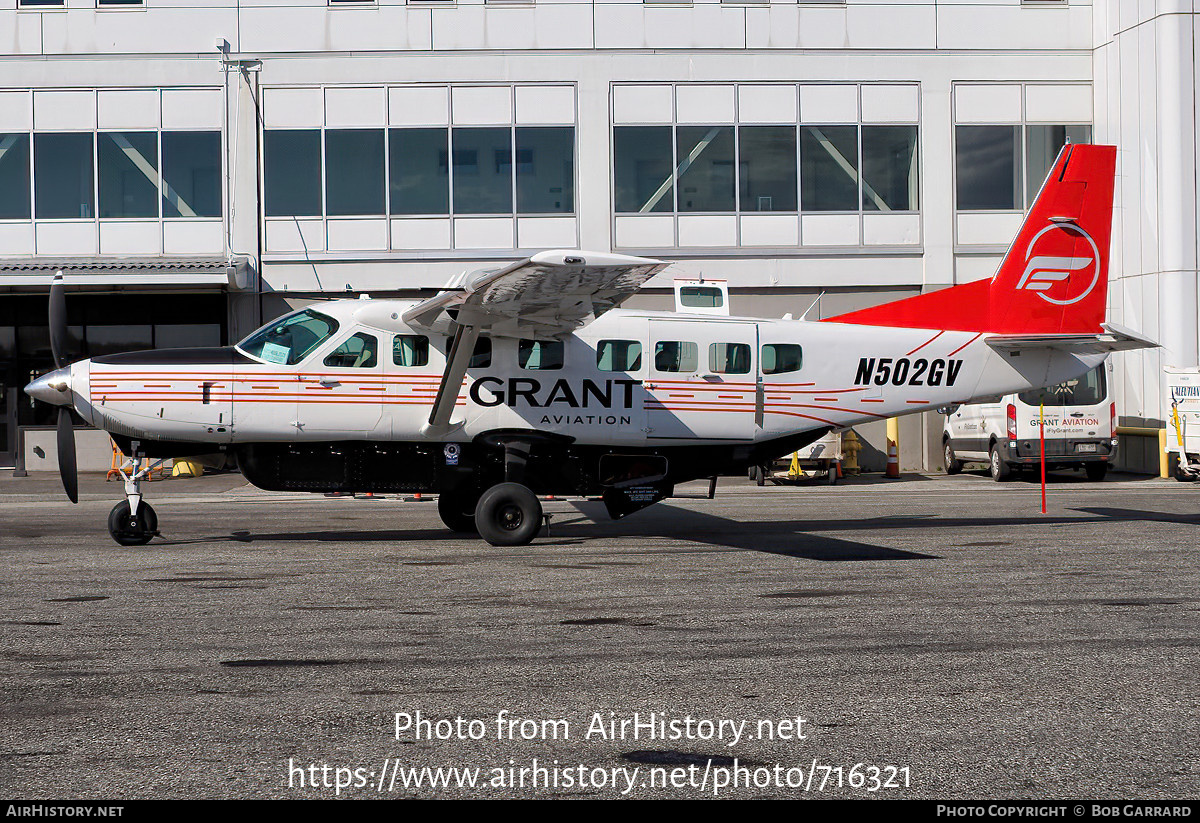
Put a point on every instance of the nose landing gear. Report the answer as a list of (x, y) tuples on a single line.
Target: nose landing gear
[(133, 522)]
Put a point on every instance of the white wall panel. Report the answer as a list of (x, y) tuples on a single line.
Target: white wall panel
[(707, 230), (829, 229), (890, 103), (987, 103), (64, 110), (481, 105), (289, 235), (16, 110), (483, 233), (546, 233), (64, 239), (128, 109), (357, 235), (642, 104), (421, 233), (891, 229), (703, 103), (193, 237), (16, 239), (545, 105), (770, 230), (298, 108), (193, 109), (988, 229), (645, 231), (419, 106), (829, 104), (1067, 103), (971, 267), (135, 237), (348, 107), (768, 104)]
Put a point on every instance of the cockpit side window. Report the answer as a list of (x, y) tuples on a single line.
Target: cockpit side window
[(358, 351), (290, 339)]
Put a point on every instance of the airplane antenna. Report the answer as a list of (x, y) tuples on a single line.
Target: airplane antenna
[(810, 308)]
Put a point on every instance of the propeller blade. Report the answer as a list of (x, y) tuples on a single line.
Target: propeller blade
[(66, 455), (58, 321)]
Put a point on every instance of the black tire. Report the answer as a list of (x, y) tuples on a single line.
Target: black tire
[(760, 475), (508, 514), (999, 469), (457, 511), (953, 464), (752, 473), (831, 473), (1095, 471), (129, 530)]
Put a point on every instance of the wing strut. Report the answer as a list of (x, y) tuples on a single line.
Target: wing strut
[(457, 361)]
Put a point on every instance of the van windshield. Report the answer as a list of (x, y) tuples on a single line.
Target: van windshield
[(1088, 390), (289, 339)]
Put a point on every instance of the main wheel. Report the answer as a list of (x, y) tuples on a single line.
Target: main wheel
[(1000, 470), (458, 511), (508, 514), (1096, 471), (953, 464), (130, 529)]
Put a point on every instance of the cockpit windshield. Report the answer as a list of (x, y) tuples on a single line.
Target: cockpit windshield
[(291, 338)]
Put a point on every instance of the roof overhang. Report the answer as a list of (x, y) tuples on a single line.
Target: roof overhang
[(124, 273)]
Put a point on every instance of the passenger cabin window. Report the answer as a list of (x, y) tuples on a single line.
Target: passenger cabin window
[(729, 358), (410, 350), (619, 355), (481, 357), (778, 358), (701, 297), (358, 351), (540, 355), (290, 339), (675, 356)]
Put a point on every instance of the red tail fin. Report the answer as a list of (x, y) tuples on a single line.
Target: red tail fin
[(1054, 279)]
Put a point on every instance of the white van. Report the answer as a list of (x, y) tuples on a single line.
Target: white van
[(1080, 417)]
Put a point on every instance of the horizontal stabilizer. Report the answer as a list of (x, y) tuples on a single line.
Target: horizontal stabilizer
[(1113, 338)]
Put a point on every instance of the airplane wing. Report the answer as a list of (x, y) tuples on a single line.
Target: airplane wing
[(543, 297), (1113, 338)]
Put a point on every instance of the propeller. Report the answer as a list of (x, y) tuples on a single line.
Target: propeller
[(67, 466)]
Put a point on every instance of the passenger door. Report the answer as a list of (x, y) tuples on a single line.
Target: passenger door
[(703, 381)]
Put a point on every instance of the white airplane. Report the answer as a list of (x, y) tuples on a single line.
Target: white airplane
[(528, 381)]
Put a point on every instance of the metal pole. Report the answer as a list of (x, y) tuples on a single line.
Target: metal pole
[(1042, 446)]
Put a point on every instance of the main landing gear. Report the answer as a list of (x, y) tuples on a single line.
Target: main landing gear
[(505, 514), (133, 522)]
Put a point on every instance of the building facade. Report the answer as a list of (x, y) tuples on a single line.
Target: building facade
[(199, 166)]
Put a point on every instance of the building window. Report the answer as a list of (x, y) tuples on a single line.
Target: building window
[(420, 172), (482, 169), (128, 174), (354, 177), (14, 177), (191, 172), (643, 164), (41, 4), (63, 176), (768, 168), (704, 160), (829, 168), (889, 168), (119, 3), (292, 172), (545, 170), (1001, 168)]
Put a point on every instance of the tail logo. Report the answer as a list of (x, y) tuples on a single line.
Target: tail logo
[(1048, 274)]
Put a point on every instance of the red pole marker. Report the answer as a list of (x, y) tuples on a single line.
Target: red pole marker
[(1042, 446)]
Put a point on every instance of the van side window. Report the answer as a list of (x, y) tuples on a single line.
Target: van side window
[(356, 352), (619, 355), (701, 297), (778, 358), (540, 355), (675, 356), (729, 358), (410, 350), (481, 356)]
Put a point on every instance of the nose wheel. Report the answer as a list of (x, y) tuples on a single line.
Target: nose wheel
[(130, 528)]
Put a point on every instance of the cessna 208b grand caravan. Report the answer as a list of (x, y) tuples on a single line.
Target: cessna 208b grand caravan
[(528, 380)]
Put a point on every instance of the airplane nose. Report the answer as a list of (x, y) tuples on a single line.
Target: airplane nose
[(53, 387)]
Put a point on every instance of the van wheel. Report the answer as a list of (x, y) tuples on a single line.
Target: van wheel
[(1096, 471), (1000, 470), (953, 464), (508, 514)]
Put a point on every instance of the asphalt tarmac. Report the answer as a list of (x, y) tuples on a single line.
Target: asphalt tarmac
[(940, 632)]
